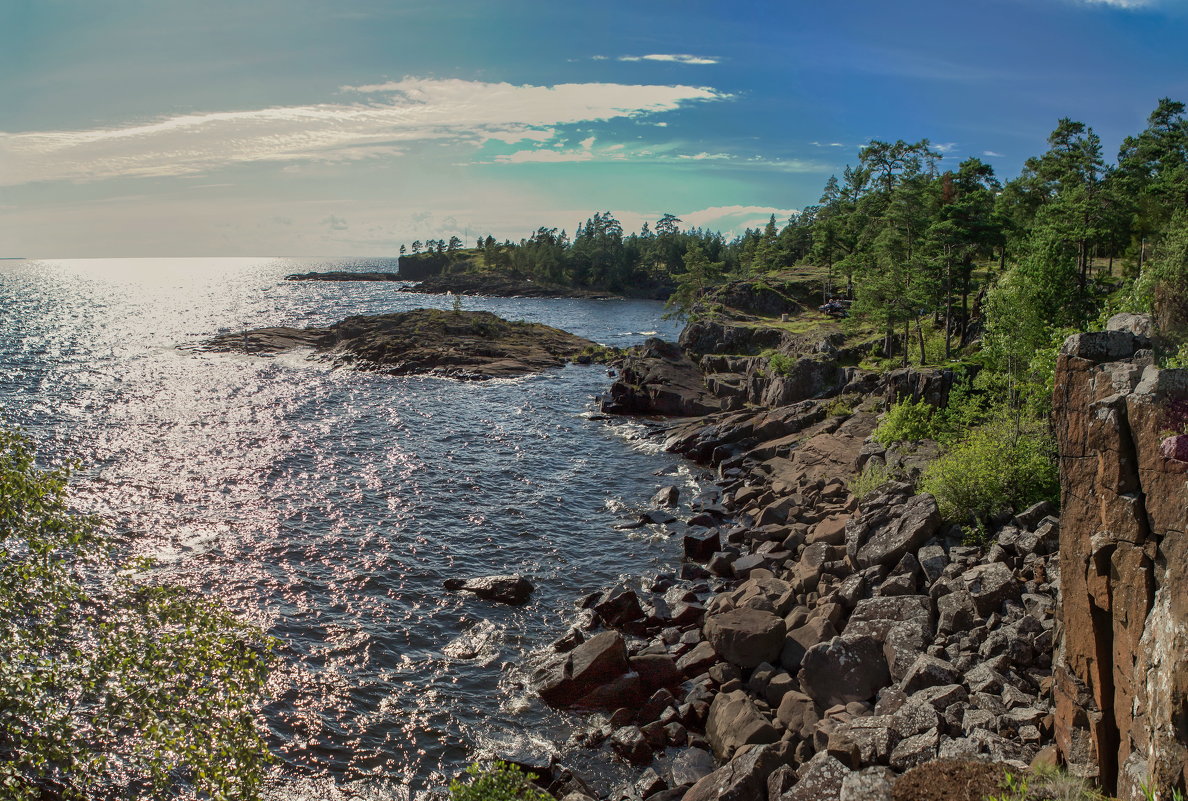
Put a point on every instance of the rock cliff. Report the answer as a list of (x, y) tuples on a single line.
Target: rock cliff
[(1121, 676)]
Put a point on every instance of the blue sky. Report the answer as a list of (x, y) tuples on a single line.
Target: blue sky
[(311, 127)]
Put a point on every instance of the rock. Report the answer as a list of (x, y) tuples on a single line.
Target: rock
[(600, 660), (746, 637), (698, 660), (990, 585), (734, 721), (903, 644), (690, 765), (656, 671), (649, 783), (1141, 325), (667, 497), (915, 750), (821, 779), (928, 671), (847, 668), (503, 589), (956, 612), (629, 743), (914, 525), (802, 638), (657, 377), (618, 606), (744, 778), (466, 344), (699, 546), (870, 784), (798, 714)]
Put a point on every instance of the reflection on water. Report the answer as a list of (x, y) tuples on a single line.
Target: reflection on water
[(330, 505)]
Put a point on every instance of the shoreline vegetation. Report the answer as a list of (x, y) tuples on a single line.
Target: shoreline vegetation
[(869, 599)]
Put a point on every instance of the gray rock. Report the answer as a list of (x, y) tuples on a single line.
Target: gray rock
[(502, 589), (990, 585), (915, 750), (933, 561), (914, 525), (956, 612), (744, 778), (928, 671), (844, 669), (902, 646), (618, 606), (869, 784), (821, 779)]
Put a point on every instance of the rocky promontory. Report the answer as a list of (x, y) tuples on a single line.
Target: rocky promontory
[(470, 345), (498, 285), (342, 275)]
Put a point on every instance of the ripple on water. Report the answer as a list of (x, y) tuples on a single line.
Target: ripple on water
[(330, 505)]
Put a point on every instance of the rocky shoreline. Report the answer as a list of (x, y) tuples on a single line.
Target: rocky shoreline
[(451, 344), (497, 285), (817, 645)]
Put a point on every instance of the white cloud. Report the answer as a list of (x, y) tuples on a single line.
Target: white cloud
[(410, 110), (543, 156), (992, 154), (675, 58), (945, 147), (733, 220), (1119, 3)]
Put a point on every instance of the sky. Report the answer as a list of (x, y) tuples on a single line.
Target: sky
[(350, 127)]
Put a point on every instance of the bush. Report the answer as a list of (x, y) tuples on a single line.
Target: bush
[(907, 421), (871, 478), (110, 688), (995, 468), (498, 782)]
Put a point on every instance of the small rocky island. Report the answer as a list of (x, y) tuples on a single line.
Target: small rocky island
[(470, 345), (343, 275)]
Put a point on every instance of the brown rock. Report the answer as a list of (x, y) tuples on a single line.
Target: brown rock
[(746, 637)]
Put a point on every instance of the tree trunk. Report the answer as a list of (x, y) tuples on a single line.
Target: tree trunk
[(920, 335)]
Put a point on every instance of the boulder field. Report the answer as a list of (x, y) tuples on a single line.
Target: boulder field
[(817, 645), (470, 345)]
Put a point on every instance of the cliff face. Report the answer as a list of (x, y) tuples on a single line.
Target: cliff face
[(1121, 675)]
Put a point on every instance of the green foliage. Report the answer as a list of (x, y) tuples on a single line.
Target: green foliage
[(842, 405), (907, 421), (1015, 788), (871, 478), (499, 781), (998, 466), (780, 363), (107, 685), (690, 299)]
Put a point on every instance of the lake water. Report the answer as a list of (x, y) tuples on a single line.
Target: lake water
[(329, 505)]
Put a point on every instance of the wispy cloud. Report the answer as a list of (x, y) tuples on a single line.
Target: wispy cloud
[(396, 115), (1130, 4), (732, 220), (674, 58), (992, 154)]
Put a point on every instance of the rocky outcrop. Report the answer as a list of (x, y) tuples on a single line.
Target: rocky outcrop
[(343, 275), (453, 344), (658, 378), (1121, 678), (497, 285)]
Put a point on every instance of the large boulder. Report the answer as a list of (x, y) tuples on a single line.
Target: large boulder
[(658, 378), (746, 637), (599, 662), (735, 721), (744, 778), (915, 523), (847, 668)]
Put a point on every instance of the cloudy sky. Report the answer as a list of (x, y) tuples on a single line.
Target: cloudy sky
[(346, 127)]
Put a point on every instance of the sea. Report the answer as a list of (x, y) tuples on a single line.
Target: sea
[(328, 505)]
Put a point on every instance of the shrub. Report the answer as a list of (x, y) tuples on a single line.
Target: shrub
[(780, 363), (997, 467), (498, 782), (905, 421), (109, 687), (871, 478)]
